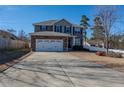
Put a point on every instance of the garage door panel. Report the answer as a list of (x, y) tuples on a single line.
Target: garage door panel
[(49, 45)]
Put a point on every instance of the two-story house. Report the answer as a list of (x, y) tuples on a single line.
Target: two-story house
[(56, 35)]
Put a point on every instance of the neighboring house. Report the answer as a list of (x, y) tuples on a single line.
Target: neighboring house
[(56, 35), (11, 41), (7, 35)]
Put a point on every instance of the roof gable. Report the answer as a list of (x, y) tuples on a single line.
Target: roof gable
[(63, 22)]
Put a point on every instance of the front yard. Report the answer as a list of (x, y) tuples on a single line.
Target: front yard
[(115, 63)]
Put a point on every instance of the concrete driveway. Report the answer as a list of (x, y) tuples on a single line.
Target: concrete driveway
[(59, 69)]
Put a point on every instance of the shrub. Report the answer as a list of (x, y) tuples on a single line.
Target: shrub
[(79, 48), (26, 45)]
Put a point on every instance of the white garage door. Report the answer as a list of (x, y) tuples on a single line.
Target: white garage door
[(49, 45)]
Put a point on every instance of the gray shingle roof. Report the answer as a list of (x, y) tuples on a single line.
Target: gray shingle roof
[(50, 33), (49, 22), (52, 22)]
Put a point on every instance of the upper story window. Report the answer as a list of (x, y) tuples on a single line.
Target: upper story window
[(67, 29), (43, 28), (77, 31), (58, 28), (49, 28)]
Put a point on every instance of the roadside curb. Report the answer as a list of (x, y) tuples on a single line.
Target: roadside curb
[(10, 64)]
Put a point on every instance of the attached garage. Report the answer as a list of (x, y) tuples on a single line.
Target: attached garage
[(49, 45), (49, 41)]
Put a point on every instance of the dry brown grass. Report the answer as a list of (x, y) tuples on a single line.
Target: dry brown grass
[(116, 63), (10, 57)]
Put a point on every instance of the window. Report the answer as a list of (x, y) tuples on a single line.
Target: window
[(49, 28), (58, 28), (77, 41), (67, 29), (77, 30), (43, 28)]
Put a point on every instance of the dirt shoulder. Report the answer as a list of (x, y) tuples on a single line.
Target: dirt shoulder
[(8, 57), (115, 63)]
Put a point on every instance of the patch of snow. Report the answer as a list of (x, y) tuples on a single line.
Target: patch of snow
[(92, 48)]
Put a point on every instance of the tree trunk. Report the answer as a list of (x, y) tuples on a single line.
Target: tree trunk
[(85, 36), (107, 46)]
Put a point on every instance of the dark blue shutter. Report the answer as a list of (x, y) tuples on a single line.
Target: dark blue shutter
[(81, 31), (64, 29), (55, 28), (60, 28), (46, 28), (51, 28), (40, 28), (70, 29), (73, 31)]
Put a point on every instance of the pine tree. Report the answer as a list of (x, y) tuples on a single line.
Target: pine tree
[(84, 22)]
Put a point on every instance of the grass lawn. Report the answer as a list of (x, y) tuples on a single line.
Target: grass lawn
[(7, 57), (115, 63)]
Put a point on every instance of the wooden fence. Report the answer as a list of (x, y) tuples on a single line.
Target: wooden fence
[(11, 44)]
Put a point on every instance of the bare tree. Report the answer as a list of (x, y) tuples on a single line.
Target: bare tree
[(98, 31), (109, 17), (23, 36)]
